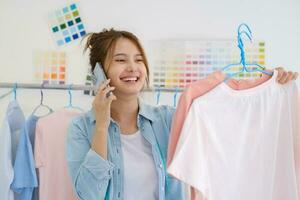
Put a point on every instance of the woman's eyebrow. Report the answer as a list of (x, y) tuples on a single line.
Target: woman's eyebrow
[(123, 54), (120, 54)]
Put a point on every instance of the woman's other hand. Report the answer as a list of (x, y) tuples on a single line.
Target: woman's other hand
[(285, 76)]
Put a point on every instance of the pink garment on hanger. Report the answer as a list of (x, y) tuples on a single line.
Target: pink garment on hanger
[(49, 152)]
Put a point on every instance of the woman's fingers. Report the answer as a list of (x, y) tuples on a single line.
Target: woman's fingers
[(284, 76), (295, 76), (280, 73), (106, 91), (290, 76), (103, 85)]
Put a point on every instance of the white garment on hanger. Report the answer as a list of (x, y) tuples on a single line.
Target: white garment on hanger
[(242, 144)]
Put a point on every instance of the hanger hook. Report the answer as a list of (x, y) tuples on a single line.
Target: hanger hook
[(247, 27), (42, 94), (248, 33), (158, 95), (70, 94), (15, 91)]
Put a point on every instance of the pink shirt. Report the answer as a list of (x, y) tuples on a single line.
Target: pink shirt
[(197, 89), (49, 152)]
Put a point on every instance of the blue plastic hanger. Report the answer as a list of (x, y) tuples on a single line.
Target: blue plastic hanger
[(70, 100), (242, 62), (50, 110), (15, 91)]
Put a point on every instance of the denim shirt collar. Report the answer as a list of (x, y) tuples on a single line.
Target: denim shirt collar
[(145, 111)]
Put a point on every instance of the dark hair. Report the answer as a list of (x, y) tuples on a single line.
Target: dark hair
[(101, 46)]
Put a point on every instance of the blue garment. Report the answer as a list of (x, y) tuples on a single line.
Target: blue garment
[(95, 178), (16, 120), (9, 139), (25, 178)]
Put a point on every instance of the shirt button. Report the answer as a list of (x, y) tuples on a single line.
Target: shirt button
[(163, 189), (160, 165)]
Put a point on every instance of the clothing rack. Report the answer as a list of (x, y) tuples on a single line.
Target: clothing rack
[(74, 87)]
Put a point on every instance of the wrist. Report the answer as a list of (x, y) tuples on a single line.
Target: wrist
[(100, 128)]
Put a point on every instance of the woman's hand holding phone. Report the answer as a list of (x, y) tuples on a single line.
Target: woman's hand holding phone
[(101, 104), (103, 98)]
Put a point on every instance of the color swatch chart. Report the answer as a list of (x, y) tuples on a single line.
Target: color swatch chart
[(176, 63), (50, 67), (66, 25)]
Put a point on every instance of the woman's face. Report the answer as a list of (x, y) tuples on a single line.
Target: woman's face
[(127, 70)]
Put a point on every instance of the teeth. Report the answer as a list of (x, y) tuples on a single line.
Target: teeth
[(130, 79)]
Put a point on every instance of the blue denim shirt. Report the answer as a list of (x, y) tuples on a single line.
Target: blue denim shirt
[(25, 177), (95, 178)]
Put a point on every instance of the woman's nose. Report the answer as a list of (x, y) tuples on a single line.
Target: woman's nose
[(132, 66)]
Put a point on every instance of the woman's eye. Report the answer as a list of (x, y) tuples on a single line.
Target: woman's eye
[(139, 60), (120, 60)]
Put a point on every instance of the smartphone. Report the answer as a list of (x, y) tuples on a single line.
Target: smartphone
[(99, 77)]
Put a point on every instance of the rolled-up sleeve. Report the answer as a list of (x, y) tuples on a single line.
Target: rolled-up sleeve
[(90, 173)]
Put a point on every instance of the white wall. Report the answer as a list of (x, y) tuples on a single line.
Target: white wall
[(23, 29)]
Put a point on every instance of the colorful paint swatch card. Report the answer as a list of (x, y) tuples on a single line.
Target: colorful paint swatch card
[(66, 25), (177, 63), (50, 67)]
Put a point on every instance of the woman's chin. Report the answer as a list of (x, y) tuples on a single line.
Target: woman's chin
[(129, 91)]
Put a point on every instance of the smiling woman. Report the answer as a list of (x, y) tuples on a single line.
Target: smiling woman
[(118, 149)]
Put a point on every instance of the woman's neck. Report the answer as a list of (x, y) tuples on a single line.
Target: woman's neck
[(125, 109)]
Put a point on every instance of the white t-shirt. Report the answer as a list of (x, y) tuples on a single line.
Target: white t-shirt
[(140, 176), (242, 144)]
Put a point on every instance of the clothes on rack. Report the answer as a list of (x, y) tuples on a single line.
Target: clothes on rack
[(9, 138), (37, 142), (49, 153), (242, 144)]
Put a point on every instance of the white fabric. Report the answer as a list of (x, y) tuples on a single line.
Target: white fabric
[(9, 138), (242, 144), (140, 176)]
